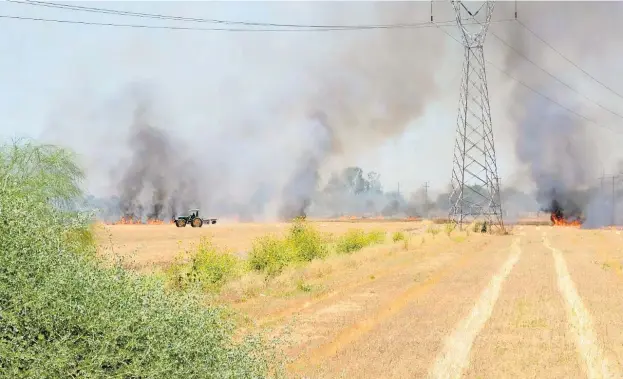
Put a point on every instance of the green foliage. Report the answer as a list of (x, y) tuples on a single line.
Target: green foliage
[(208, 268), (307, 242), (270, 254), (357, 239), (449, 228), (80, 239), (432, 229), (303, 287), (398, 236), (303, 243), (62, 315)]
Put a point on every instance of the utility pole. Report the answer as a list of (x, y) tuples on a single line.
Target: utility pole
[(613, 196), (613, 204), (475, 182), (426, 199)]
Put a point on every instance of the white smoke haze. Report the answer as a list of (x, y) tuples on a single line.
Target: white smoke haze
[(563, 154), (253, 124), (256, 138)]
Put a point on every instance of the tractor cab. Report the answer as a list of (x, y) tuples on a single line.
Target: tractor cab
[(193, 219)]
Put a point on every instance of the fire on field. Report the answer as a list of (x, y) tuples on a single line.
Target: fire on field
[(134, 221), (564, 212)]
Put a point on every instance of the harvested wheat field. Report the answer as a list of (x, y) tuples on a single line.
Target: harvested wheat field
[(428, 302)]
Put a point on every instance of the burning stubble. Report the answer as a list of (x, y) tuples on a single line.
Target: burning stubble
[(153, 185), (559, 149)]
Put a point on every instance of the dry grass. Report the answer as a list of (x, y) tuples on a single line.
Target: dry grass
[(529, 316), (150, 246), (385, 310)]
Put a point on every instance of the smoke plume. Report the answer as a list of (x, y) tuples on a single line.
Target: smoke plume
[(299, 190), (155, 184), (559, 149), (249, 127)]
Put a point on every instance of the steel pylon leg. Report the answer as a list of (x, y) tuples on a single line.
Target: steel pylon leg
[(475, 194)]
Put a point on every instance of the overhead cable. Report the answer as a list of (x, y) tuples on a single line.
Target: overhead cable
[(216, 21), (567, 59), (579, 115), (521, 54)]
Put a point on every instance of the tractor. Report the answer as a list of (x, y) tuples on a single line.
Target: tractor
[(193, 219)]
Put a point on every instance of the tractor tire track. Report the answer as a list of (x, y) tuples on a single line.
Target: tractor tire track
[(580, 323), (454, 357), (348, 344)]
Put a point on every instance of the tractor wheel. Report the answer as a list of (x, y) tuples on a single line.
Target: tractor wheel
[(197, 223), (180, 223)]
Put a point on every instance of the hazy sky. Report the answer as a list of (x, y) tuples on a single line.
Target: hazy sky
[(59, 71)]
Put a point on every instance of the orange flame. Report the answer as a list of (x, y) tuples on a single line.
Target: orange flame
[(344, 218), (560, 221), (131, 221)]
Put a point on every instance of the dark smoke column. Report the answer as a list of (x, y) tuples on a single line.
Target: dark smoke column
[(298, 192), (156, 183)]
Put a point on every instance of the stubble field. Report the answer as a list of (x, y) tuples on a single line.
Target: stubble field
[(541, 302)]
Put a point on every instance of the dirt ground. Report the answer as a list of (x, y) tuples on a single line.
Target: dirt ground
[(543, 302)]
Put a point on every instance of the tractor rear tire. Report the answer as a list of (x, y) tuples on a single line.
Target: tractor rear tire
[(196, 223), (180, 223)]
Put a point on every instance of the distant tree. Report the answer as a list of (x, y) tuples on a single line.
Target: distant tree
[(374, 183), (335, 184), (354, 180)]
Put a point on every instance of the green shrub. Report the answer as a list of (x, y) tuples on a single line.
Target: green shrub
[(432, 229), (398, 236), (80, 239), (357, 239), (449, 228), (209, 267), (307, 242), (480, 227), (271, 254), (376, 237), (303, 287), (303, 243), (64, 315)]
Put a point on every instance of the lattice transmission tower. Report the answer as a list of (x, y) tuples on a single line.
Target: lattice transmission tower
[(475, 183)]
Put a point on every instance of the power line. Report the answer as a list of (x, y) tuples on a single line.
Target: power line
[(143, 26), (193, 19), (554, 76), (201, 20), (567, 59), (221, 21), (170, 27), (534, 90)]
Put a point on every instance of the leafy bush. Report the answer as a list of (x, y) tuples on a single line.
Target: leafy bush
[(307, 242), (357, 239), (270, 254), (449, 228), (480, 227), (432, 229), (398, 236), (303, 243), (63, 315), (208, 267)]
